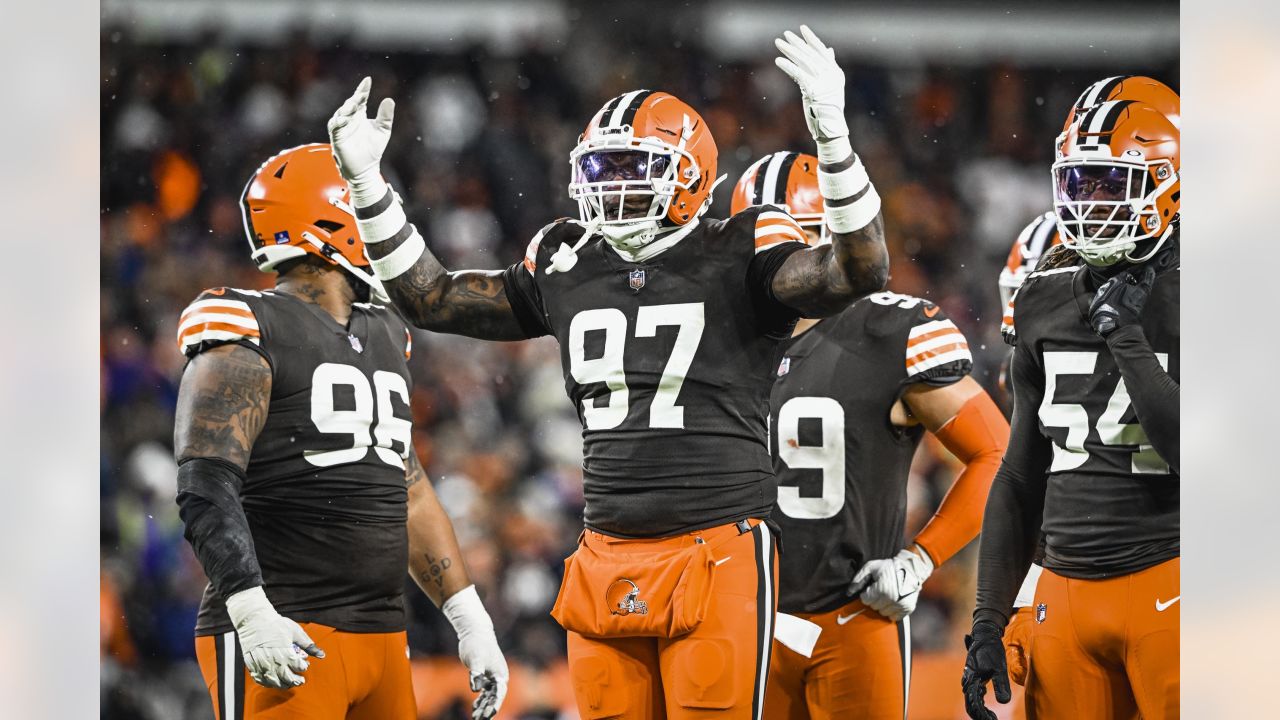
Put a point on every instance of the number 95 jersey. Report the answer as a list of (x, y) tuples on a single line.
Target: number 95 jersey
[(325, 487), (1111, 502)]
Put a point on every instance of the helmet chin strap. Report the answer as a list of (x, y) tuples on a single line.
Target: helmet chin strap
[(377, 292)]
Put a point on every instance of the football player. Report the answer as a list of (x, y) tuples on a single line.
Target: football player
[(1030, 246), (297, 480), (1093, 455), (669, 325), (854, 395)]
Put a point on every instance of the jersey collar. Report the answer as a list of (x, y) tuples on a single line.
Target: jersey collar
[(657, 247)]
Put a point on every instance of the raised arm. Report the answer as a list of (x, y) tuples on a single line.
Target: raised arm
[(823, 280), (222, 405), (466, 302)]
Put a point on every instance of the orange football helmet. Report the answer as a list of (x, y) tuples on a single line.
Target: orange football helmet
[(1125, 87), (643, 145), (1116, 182), (297, 204), (788, 180), (1031, 244)]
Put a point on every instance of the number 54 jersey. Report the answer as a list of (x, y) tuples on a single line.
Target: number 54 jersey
[(669, 363), (325, 487), (1111, 502)]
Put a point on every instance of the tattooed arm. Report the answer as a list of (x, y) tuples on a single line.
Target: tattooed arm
[(468, 302), (434, 559), (823, 280), (222, 406)]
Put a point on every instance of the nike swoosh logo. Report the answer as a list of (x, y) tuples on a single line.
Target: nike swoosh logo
[(724, 560), (842, 619), (1162, 606), (931, 311)]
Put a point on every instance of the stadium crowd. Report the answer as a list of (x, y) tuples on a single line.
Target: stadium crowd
[(959, 154)]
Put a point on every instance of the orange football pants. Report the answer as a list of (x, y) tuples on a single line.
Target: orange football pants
[(716, 671), (1105, 648), (1017, 644), (860, 668), (362, 676)]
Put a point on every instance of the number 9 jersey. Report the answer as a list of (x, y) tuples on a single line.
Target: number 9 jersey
[(842, 465), (325, 490)]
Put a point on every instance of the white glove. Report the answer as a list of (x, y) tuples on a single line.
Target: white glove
[(358, 143), (275, 648), (813, 66), (891, 587), (478, 649)]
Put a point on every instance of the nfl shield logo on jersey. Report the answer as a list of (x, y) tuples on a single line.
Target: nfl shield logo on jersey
[(355, 343), (1041, 611), (784, 367), (637, 279), (282, 237)]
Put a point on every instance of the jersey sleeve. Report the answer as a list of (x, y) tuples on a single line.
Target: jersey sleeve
[(219, 316), (936, 351), (776, 235), (520, 281)]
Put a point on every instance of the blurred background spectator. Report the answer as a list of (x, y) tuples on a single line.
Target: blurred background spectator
[(953, 114)]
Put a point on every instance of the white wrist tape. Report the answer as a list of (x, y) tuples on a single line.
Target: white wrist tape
[(834, 150), (402, 258), (466, 613), (385, 224), (846, 183), (367, 189), (854, 216), (247, 602)]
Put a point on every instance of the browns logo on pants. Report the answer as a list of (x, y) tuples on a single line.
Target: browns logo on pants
[(860, 668), (716, 670), (363, 676), (1105, 648)]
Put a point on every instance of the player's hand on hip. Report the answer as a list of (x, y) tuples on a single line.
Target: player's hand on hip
[(359, 141), (812, 65), (984, 663), (1120, 300), (275, 648), (891, 586), (478, 649)]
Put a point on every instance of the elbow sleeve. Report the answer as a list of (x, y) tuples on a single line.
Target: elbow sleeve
[(215, 524)]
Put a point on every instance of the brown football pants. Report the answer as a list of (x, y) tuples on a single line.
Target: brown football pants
[(716, 671), (1105, 648), (860, 668), (363, 676)]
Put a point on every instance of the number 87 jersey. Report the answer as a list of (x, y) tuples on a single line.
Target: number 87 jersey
[(1111, 502), (325, 486)]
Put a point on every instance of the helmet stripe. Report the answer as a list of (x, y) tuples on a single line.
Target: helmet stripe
[(784, 178), (1098, 92), (1100, 122), (629, 112), (769, 184), (1041, 236), (607, 111), (615, 117)]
